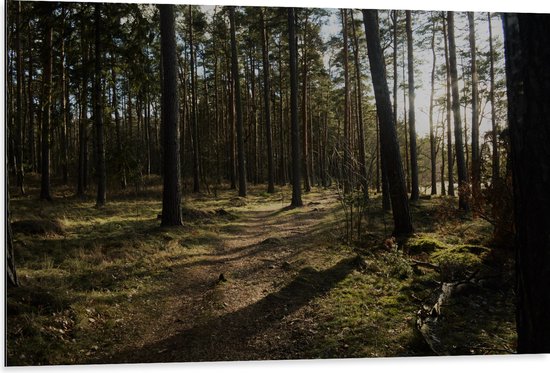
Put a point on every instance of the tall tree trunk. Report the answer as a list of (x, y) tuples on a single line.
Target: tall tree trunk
[(476, 166), (305, 131), (232, 139), (194, 121), (494, 124), (527, 37), (171, 193), (282, 160), (405, 125), (463, 187), (450, 157), (431, 116), (388, 133), (386, 202), (83, 120), (361, 130), (238, 105), (412, 125), (294, 129), (98, 113), (45, 187), (19, 103), (267, 104), (346, 143)]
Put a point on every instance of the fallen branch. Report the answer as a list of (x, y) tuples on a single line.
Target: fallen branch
[(427, 317), (419, 263)]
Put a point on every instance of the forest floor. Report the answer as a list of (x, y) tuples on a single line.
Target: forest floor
[(247, 279)]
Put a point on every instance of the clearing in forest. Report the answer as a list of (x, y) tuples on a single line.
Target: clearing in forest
[(247, 278)]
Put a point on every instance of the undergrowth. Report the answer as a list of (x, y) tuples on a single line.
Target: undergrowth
[(93, 278)]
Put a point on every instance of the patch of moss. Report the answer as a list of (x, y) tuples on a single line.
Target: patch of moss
[(424, 244), (456, 261)]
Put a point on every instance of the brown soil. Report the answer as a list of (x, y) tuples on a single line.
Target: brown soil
[(264, 283)]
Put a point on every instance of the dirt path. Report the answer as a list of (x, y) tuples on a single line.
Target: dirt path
[(264, 257)]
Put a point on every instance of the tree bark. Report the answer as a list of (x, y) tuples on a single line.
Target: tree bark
[(171, 193), (463, 187), (388, 133), (294, 129), (238, 106), (267, 104), (527, 37)]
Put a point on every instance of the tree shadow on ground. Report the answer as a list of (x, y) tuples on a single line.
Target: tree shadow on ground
[(228, 337)]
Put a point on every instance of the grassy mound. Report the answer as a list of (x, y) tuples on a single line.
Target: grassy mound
[(42, 227)]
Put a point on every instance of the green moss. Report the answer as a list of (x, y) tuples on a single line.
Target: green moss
[(456, 261), (424, 245)]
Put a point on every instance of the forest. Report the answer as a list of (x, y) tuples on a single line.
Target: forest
[(193, 183)]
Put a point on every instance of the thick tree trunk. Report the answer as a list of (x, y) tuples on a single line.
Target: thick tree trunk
[(388, 133), (238, 106), (171, 193), (98, 113), (294, 129), (415, 193), (527, 37), (463, 186)]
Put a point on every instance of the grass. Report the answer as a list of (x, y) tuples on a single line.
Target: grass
[(95, 279)]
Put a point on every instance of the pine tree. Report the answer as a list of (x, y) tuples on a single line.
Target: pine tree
[(171, 193)]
